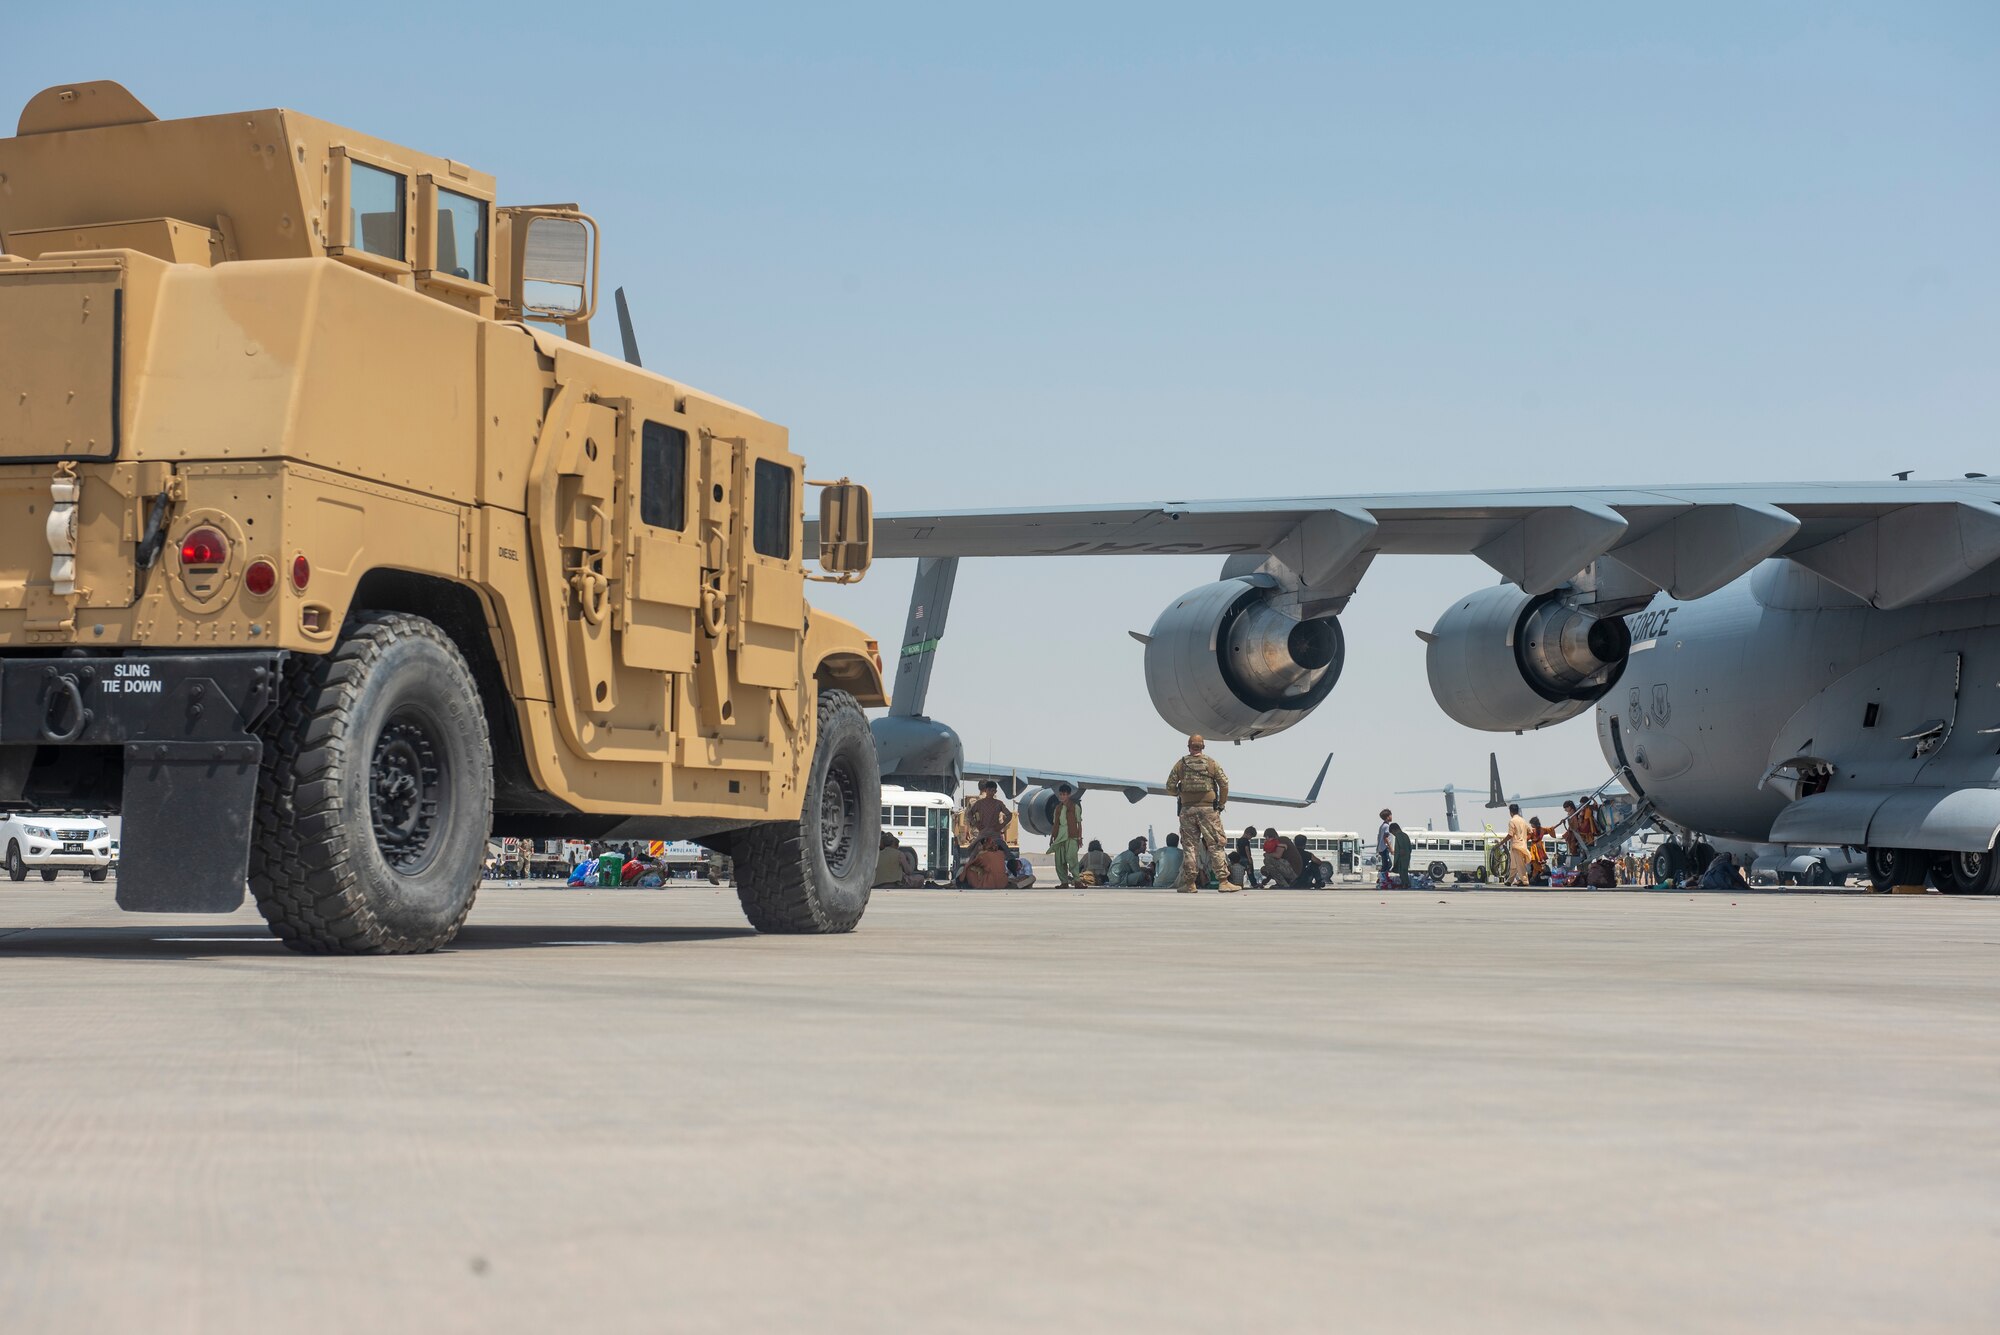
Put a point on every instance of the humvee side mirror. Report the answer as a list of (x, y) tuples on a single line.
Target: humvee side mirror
[(846, 530), (555, 264)]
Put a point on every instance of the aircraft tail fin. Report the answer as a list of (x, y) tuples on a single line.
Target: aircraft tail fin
[(1495, 795), (930, 603)]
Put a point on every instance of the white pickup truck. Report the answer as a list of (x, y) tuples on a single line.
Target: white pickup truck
[(48, 844)]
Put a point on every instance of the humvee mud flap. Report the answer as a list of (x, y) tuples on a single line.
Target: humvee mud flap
[(184, 726)]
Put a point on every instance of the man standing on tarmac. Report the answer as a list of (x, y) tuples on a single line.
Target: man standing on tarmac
[(1385, 851), (987, 815), (1517, 846), (1065, 833), (1202, 790)]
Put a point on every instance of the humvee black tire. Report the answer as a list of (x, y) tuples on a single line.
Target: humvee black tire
[(813, 874), (17, 870), (375, 796)]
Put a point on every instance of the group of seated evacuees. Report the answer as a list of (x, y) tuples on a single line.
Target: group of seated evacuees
[(1578, 830), (1273, 860), (987, 856)]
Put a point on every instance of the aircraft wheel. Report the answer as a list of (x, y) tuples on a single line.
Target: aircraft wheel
[(1668, 863), (1970, 873), (1818, 874), (1891, 867), (1701, 855)]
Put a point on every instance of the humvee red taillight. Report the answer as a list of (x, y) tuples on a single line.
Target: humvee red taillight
[(204, 547), (301, 571), (261, 577)]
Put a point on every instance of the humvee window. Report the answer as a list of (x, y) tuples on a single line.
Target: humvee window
[(376, 200), (771, 531), (461, 236), (663, 476)]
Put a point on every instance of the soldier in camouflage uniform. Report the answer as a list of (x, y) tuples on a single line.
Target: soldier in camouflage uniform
[(1202, 789)]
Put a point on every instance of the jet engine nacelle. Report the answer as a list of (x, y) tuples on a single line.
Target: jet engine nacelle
[(1228, 661), (1501, 661), (1036, 808)]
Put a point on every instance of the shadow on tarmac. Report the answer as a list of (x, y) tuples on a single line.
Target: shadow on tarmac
[(179, 941)]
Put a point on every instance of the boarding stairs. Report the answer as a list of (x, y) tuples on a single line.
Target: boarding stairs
[(1637, 813)]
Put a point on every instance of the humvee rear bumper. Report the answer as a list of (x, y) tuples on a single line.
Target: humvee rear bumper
[(186, 725)]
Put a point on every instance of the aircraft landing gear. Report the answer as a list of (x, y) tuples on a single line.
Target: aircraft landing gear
[(1969, 873), (1891, 867)]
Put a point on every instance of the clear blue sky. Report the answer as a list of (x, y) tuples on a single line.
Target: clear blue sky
[(1065, 253)]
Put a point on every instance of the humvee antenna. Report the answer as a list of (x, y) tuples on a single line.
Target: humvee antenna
[(625, 328)]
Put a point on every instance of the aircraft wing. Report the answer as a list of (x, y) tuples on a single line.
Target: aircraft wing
[(1534, 801), (1015, 778), (1890, 543), (1610, 788)]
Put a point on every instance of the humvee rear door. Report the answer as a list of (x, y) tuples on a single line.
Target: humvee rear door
[(773, 614), (662, 555)]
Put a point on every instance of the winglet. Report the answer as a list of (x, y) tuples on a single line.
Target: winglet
[(1493, 793), (1427, 637), (1140, 636), (1312, 794)]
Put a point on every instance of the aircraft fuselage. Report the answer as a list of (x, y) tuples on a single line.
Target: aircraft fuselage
[(1780, 663)]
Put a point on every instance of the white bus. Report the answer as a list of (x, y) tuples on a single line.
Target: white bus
[(921, 822), (1461, 853), (1339, 849), (1470, 855)]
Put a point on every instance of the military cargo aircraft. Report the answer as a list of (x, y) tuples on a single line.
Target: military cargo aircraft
[(1808, 663)]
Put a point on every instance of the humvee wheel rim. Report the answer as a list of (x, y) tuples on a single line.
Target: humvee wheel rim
[(407, 781), (839, 813)]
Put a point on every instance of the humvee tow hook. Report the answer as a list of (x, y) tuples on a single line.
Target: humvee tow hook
[(64, 687)]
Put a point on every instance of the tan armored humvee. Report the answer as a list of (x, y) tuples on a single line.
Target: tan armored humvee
[(328, 546)]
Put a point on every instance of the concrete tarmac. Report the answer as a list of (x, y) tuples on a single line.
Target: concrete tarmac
[(1036, 1111)]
